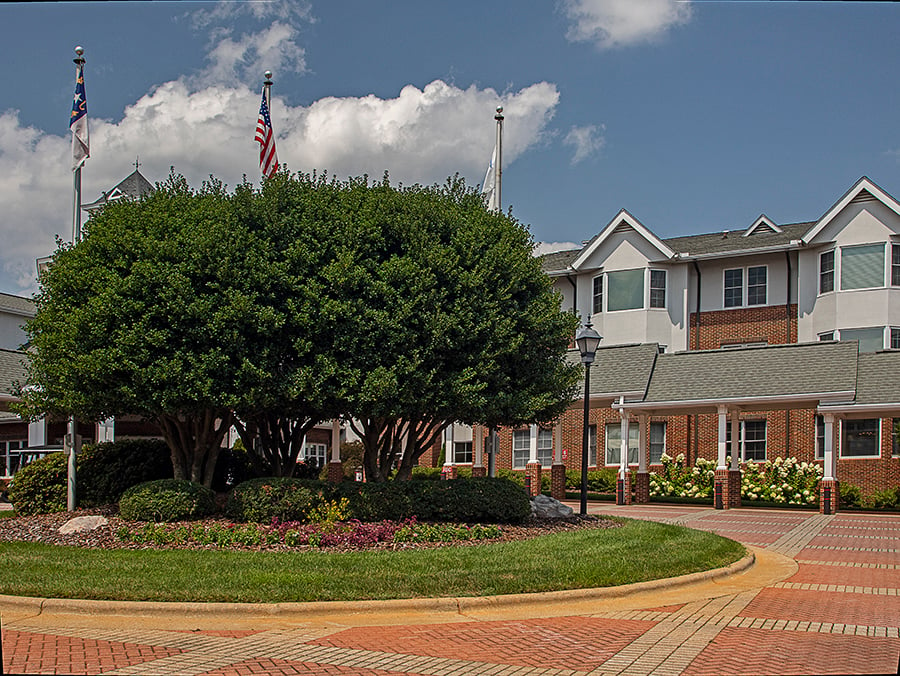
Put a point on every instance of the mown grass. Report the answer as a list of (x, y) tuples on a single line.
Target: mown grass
[(637, 551)]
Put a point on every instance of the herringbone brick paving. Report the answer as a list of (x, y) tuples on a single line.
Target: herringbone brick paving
[(838, 613)]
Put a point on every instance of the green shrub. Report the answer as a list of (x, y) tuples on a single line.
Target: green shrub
[(483, 500), (40, 486), (106, 470), (426, 473), (886, 499), (285, 498), (598, 480), (850, 495), (234, 466), (518, 476), (167, 500)]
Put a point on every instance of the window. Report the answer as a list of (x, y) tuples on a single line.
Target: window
[(657, 442), (462, 452), (625, 290), (592, 445), (521, 448), (860, 438), (614, 443), (862, 267), (10, 457), (895, 339), (598, 294), (751, 439), (895, 437), (826, 272), (756, 285), (870, 340), (545, 447), (315, 453), (657, 288), (820, 437), (895, 264), (734, 288), (520, 443), (827, 336)]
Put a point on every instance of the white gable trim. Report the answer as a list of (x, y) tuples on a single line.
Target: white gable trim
[(623, 217), (762, 222), (863, 184)]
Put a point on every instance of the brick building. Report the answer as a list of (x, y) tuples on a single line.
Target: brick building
[(833, 279)]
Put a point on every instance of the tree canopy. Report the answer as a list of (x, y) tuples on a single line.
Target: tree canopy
[(403, 309)]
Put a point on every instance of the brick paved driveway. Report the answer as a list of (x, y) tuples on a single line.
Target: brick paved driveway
[(835, 611)]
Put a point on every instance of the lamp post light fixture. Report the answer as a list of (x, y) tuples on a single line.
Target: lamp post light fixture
[(587, 341)]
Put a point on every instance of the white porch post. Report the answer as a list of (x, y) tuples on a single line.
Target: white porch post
[(735, 440), (642, 443), (830, 457), (477, 446), (532, 444), (723, 444), (623, 453), (448, 446)]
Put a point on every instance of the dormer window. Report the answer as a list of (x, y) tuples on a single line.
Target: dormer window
[(628, 290), (862, 267)]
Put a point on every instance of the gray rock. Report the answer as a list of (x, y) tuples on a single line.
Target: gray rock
[(81, 524), (545, 507)]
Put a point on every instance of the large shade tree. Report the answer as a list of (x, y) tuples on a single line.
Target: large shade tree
[(443, 315), (159, 311)]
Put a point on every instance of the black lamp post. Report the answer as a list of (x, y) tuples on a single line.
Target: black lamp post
[(587, 341)]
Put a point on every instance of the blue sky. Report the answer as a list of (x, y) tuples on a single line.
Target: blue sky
[(694, 116)]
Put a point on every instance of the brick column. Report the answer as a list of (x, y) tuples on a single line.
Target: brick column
[(731, 493), (558, 481), (720, 481), (479, 472), (642, 487), (829, 505), (335, 474), (533, 471)]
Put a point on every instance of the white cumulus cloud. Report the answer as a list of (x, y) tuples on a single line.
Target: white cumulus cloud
[(422, 135), (616, 23), (586, 141)]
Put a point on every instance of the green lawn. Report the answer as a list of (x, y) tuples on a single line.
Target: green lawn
[(637, 551)]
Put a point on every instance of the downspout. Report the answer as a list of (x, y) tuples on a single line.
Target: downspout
[(695, 424), (787, 313), (574, 293)]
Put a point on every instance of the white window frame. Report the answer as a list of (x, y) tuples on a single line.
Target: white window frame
[(664, 289), (839, 333), (843, 437), (819, 423), (742, 439), (894, 338), (665, 433), (461, 451), (545, 447), (895, 437), (633, 437), (895, 264), (316, 451), (592, 446), (645, 282), (831, 272), (597, 297), (726, 288), (860, 246), (827, 336), (517, 448), (745, 287)]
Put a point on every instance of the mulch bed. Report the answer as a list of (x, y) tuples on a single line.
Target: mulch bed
[(44, 528)]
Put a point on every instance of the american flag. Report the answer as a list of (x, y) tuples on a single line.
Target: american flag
[(268, 159), (78, 123)]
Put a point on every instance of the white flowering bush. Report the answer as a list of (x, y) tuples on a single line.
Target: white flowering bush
[(784, 480)]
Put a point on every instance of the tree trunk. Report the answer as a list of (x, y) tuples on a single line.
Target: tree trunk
[(194, 441)]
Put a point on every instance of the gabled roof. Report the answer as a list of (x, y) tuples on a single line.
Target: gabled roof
[(862, 189), (761, 224), (16, 305), (620, 370), (133, 186), (623, 220), (878, 380), (12, 370), (734, 242), (558, 262)]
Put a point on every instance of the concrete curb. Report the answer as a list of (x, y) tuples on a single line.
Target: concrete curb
[(39, 606)]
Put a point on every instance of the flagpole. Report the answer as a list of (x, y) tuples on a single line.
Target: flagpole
[(498, 167), (72, 436)]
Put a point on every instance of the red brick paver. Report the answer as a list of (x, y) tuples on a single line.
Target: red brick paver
[(287, 668)]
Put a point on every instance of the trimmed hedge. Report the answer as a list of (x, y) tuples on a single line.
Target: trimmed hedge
[(40, 486), (167, 500), (107, 470)]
